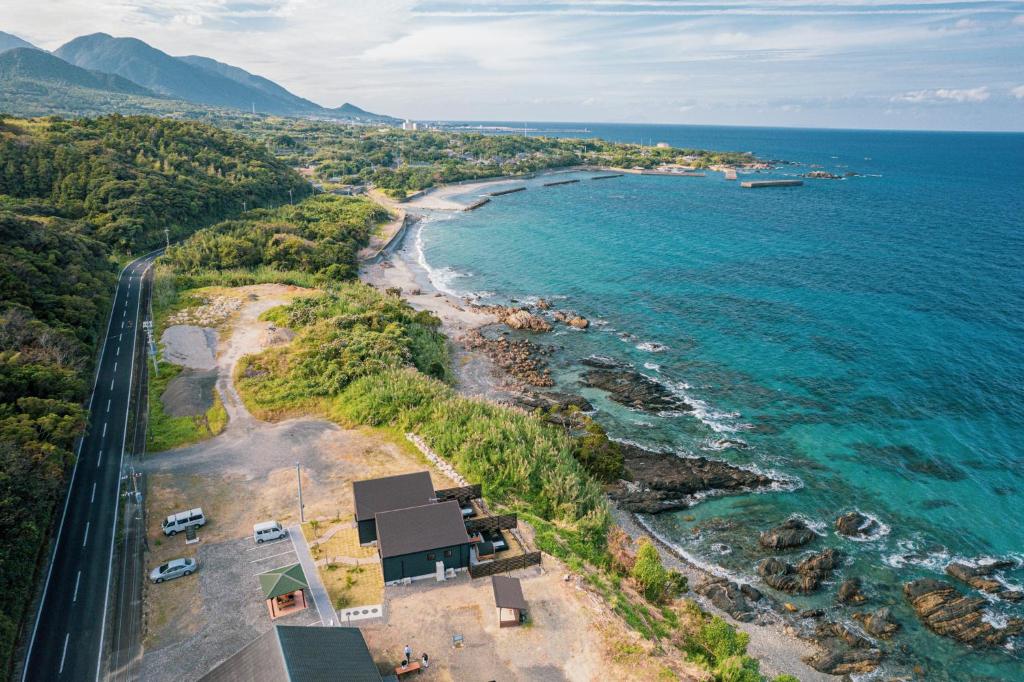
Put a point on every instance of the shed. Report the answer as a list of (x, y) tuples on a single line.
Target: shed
[(412, 541), (387, 494), (508, 598), (284, 589), (293, 653)]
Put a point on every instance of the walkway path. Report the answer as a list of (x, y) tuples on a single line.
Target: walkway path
[(316, 586)]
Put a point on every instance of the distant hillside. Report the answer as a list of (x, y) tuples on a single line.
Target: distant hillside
[(195, 79), (29, 63), (10, 42)]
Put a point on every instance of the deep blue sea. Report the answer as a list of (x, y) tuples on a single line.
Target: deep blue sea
[(863, 337)]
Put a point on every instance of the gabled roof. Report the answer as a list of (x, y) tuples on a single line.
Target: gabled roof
[(508, 593), (417, 529), (281, 581), (392, 492), (292, 653)]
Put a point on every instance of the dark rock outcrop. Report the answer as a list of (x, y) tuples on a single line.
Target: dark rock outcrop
[(945, 611), (522, 360), (878, 623), (856, 525), (803, 578), (843, 652), (663, 481), (981, 578), (601, 362), (562, 402), (726, 595), (629, 387), (792, 533), (850, 592), (572, 319)]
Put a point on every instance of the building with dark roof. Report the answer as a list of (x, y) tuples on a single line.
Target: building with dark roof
[(412, 541), (292, 653), (387, 494), (509, 599)]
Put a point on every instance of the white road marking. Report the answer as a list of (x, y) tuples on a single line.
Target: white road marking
[(271, 556), (99, 459), (115, 366), (104, 435), (111, 384), (85, 540), (66, 638), (108, 404), (118, 351), (93, 497), (74, 597), (122, 327)]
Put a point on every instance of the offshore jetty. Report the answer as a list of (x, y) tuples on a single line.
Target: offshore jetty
[(477, 204), (560, 182), (754, 184), (605, 177), (507, 191)]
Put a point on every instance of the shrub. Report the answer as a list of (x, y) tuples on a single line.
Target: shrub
[(648, 572)]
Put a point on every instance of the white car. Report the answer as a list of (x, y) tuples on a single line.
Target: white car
[(175, 568), (176, 523), (267, 531)]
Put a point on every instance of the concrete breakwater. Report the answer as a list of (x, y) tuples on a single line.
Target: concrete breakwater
[(606, 177), (755, 184), (560, 182), (477, 204), (507, 191)]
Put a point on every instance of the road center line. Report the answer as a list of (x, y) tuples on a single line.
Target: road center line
[(104, 430), (118, 351), (92, 498), (115, 366), (108, 404), (111, 384), (85, 540), (66, 638), (99, 460), (74, 597)]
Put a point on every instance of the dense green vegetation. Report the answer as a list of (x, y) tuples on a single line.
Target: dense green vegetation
[(320, 236), (126, 180), (73, 195), (400, 162)]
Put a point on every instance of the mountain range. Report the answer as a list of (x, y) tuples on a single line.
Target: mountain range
[(100, 63)]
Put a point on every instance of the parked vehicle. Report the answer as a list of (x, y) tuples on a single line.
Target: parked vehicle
[(175, 523), (175, 568), (267, 531)]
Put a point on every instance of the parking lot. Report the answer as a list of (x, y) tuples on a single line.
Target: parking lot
[(226, 607)]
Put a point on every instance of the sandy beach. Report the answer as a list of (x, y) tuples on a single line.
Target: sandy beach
[(778, 651)]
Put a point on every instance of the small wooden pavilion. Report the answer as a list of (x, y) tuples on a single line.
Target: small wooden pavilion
[(285, 590), (508, 598)]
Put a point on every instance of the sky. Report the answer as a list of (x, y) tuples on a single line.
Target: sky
[(920, 64)]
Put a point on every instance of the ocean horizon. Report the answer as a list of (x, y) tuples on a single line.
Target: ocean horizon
[(859, 338)]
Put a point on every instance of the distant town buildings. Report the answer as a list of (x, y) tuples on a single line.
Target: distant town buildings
[(410, 125)]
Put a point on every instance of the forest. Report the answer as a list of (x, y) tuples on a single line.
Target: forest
[(76, 197)]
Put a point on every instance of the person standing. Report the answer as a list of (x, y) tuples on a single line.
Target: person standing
[(408, 652), (426, 660)]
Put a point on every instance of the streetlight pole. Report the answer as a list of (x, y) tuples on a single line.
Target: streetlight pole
[(167, 237), (290, 200), (302, 511)]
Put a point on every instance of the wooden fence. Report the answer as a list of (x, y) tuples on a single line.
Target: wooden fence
[(491, 523), (463, 495), (504, 565)]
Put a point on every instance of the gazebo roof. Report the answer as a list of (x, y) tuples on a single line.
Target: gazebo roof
[(281, 581)]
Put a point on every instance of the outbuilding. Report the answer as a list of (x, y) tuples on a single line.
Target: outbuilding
[(413, 542), (386, 494), (509, 600), (284, 589)]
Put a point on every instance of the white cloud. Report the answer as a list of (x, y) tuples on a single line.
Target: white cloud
[(972, 95)]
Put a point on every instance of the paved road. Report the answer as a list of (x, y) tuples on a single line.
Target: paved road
[(67, 638)]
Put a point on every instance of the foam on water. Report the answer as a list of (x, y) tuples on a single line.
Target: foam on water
[(880, 532)]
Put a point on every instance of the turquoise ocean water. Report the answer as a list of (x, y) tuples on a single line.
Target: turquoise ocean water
[(862, 337)]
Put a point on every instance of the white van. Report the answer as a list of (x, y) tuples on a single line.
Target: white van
[(267, 531), (175, 523)]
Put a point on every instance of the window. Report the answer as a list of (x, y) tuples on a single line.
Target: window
[(447, 554), (431, 556)]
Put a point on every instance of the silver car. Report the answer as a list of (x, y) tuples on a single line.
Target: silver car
[(175, 568)]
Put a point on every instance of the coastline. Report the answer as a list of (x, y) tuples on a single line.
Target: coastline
[(477, 376)]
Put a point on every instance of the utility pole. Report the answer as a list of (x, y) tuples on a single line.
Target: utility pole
[(290, 200), (302, 510), (244, 209), (167, 237)]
